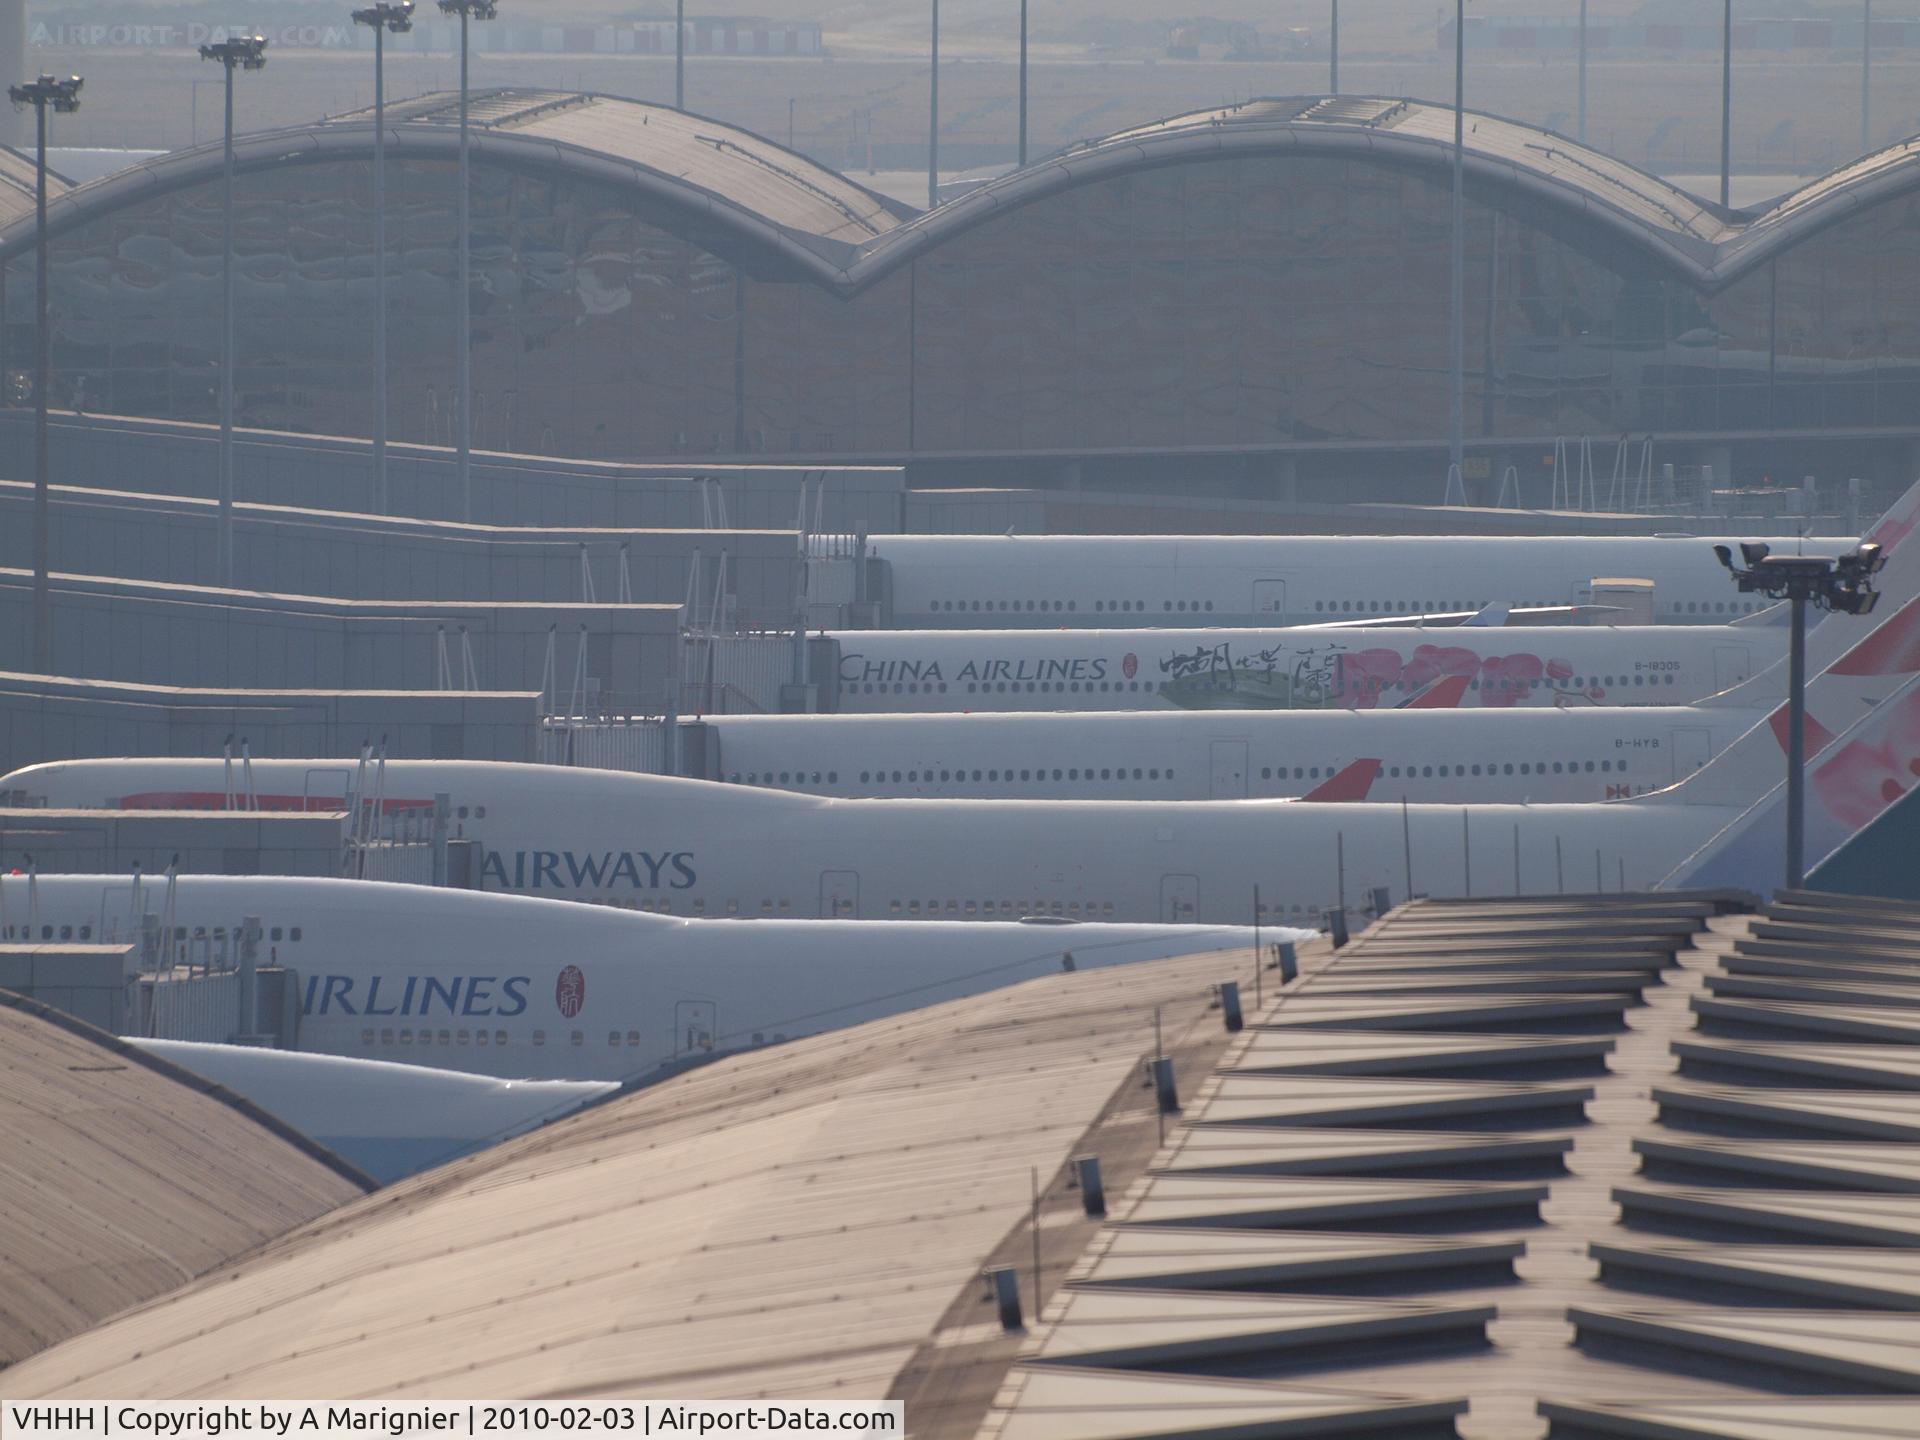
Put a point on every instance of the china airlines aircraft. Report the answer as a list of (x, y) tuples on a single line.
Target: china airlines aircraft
[(1048, 581), (525, 988), (921, 671)]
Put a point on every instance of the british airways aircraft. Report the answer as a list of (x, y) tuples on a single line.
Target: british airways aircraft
[(529, 988), (1049, 581)]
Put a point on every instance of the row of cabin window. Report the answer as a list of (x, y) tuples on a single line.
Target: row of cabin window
[(997, 777), (1011, 910), (1324, 607), (1225, 680), (1413, 607), (499, 1038), (1100, 607), (84, 933), (1573, 767), (996, 687)]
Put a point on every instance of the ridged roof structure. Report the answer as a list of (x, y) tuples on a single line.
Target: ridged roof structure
[(1574, 1168), (123, 1177), (844, 236), (1554, 1168)]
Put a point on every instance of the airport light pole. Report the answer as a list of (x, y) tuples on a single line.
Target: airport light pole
[(1583, 72), (241, 52), (680, 55), (1023, 84), (933, 115), (1333, 48), (1866, 76), (64, 98), (1726, 102), (381, 17), (1456, 309), (1843, 586), (468, 11)]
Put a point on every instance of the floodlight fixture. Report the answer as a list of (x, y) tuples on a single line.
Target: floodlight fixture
[(61, 96), (387, 16), (247, 52), (1842, 585)]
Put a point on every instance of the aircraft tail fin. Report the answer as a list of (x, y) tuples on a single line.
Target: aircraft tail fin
[(1878, 665), (1351, 784), (1850, 784), (1442, 693)]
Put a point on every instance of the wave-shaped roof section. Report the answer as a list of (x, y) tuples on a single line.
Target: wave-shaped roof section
[(744, 169), (811, 214), (845, 236), (1709, 244)]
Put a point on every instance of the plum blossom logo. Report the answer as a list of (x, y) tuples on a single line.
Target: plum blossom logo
[(1364, 674), (1130, 665), (1506, 680), (1865, 777)]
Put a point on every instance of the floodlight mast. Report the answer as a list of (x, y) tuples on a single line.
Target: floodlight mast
[(64, 98), (468, 11), (237, 52), (1842, 585), (382, 17)]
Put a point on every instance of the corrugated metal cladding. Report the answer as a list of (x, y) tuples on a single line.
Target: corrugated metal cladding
[(121, 1178), (809, 1219), (1620, 1166)]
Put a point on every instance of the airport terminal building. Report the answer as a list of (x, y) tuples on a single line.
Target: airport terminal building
[(1257, 297)]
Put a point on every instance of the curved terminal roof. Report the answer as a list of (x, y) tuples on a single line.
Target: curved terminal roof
[(1709, 245), (845, 236), (125, 1176), (770, 194)]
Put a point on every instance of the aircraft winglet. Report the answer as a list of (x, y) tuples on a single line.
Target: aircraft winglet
[(1351, 784)]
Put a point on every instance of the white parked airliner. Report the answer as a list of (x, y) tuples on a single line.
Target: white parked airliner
[(1539, 753), (516, 987), (975, 581)]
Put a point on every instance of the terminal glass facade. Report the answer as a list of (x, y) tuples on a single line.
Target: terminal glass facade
[(1256, 301)]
